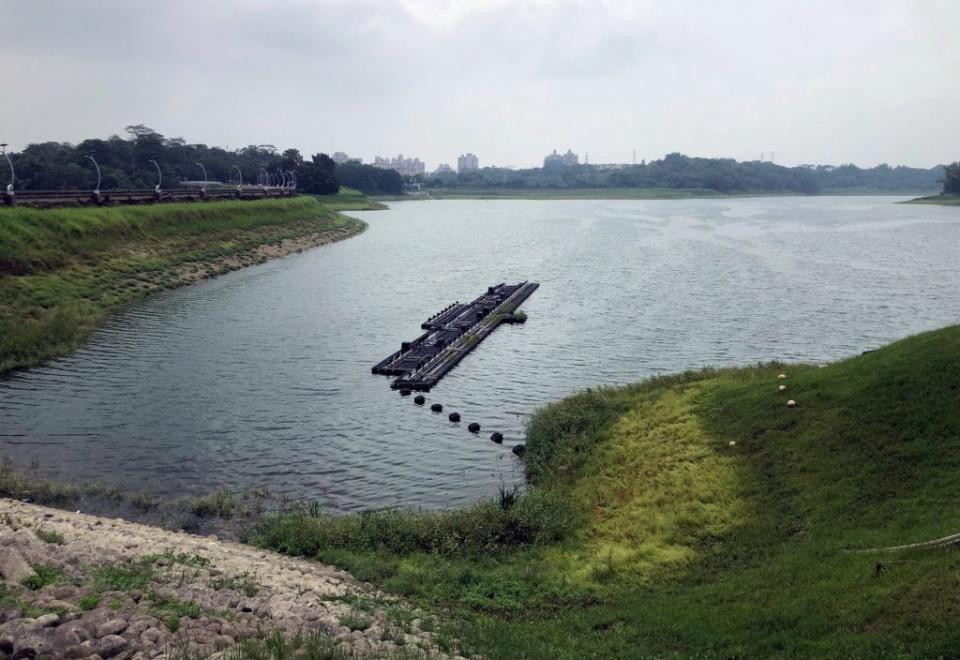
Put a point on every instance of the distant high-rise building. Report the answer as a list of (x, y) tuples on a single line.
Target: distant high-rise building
[(467, 162), (339, 158), (560, 160), (443, 168), (405, 166)]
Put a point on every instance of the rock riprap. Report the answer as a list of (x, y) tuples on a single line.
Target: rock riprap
[(80, 586)]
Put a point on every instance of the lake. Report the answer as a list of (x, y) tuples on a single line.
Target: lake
[(261, 378)]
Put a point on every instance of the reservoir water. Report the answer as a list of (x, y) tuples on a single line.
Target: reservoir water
[(261, 378)]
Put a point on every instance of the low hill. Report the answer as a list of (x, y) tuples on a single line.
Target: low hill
[(699, 515)]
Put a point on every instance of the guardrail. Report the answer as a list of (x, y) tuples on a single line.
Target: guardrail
[(138, 196)]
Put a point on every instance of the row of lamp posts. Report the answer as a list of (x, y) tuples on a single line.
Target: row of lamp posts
[(286, 179)]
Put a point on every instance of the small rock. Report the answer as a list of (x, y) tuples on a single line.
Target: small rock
[(111, 627), (13, 566), (111, 645), (65, 592), (48, 620), (150, 636), (60, 605), (24, 654)]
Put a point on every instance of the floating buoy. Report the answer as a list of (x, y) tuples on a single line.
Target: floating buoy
[(519, 450), (497, 437), (419, 400), (454, 417), (782, 388), (404, 392), (473, 427), (436, 407), (782, 376), (791, 403)]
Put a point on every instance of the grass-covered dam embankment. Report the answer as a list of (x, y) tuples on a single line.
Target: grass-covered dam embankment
[(62, 271), (699, 515)]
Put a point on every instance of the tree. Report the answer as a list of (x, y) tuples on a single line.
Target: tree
[(318, 176), (951, 179)]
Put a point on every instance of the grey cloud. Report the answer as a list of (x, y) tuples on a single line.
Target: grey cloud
[(816, 81)]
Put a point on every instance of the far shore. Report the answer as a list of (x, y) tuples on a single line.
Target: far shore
[(941, 200), (618, 193)]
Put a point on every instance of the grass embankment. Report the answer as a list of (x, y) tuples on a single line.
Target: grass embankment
[(942, 200), (698, 515), (62, 271)]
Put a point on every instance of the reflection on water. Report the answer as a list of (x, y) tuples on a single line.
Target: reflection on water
[(261, 378)]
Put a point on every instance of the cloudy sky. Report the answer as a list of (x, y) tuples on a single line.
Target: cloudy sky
[(812, 81)]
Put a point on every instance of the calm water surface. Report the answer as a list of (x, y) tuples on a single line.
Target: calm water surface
[(261, 378)]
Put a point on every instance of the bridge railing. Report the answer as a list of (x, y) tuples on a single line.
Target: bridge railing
[(139, 195)]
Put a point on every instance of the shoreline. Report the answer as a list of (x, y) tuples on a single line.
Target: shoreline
[(665, 194), (54, 297), (938, 200)]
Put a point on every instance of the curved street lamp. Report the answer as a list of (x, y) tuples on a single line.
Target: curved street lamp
[(200, 165), (239, 177), (159, 176), (94, 161), (13, 177), (283, 178)]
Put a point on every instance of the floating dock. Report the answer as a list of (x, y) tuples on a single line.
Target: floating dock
[(451, 334)]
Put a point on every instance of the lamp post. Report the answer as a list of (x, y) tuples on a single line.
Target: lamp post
[(13, 177), (239, 178), (93, 160), (200, 165), (159, 176)]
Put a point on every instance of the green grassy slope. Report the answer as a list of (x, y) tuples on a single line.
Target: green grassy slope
[(62, 271), (647, 533)]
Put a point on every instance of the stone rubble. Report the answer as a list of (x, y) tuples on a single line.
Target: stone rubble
[(236, 592)]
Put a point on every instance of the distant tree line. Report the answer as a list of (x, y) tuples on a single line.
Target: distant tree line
[(125, 163), (723, 175)]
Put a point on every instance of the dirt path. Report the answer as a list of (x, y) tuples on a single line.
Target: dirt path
[(77, 585)]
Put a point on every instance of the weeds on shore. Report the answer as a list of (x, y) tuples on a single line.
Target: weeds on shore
[(220, 503), (49, 536), (538, 517)]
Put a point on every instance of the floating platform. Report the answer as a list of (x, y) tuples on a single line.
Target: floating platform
[(451, 334)]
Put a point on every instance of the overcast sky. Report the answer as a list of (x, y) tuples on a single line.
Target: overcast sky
[(813, 81)]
